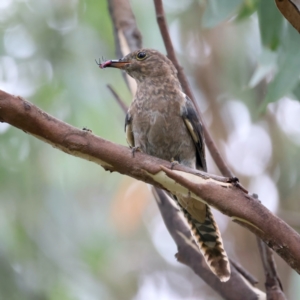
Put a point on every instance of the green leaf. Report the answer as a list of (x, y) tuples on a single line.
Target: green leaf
[(270, 23), (247, 9), (296, 91), (288, 72), (218, 11), (267, 63)]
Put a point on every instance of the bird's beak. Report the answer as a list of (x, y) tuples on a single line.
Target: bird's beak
[(114, 64)]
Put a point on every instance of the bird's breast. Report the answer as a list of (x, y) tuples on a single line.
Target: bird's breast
[(159, 130)]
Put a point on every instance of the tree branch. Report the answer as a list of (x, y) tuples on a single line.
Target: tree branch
[(272, 284), (118, 99), (127, 35), (223, 195), (244, 272)]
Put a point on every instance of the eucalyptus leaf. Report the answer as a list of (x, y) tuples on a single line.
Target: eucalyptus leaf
[(218, 11), (296, 91), (288, 72), (248, 8), (270, 23), (267, 63)]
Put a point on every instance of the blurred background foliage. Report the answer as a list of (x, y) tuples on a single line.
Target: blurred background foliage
[(70, 230)]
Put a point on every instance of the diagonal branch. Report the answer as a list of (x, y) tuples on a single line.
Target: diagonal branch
[(161, 20), (221, 194), (118, 99), (272, 284)]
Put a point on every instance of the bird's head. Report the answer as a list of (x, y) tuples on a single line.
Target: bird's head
[(143, 63)]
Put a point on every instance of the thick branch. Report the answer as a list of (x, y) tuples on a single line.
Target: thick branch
[(226, 197)]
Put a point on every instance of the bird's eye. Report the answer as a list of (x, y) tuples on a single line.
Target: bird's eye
[(141, 55)]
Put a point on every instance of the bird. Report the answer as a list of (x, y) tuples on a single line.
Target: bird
[(162, 121)]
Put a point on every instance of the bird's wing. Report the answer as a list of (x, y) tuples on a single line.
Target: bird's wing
[(198, 215), (128, 130), (194, 126)]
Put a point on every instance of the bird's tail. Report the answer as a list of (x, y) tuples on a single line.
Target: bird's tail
[(209, 241)]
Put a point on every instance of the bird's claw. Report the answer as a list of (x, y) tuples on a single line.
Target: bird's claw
[(135, 149), (174, 163), (87, 129)]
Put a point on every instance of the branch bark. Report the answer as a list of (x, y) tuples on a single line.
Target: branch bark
[(127, 35), (221, 194), (272, 284)]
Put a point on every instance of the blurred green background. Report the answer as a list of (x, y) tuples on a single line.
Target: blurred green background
[(68, 229)]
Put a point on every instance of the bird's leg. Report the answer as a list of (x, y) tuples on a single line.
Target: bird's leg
[(135, 149)]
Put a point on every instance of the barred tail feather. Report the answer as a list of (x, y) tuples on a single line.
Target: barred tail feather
[(209, 241)]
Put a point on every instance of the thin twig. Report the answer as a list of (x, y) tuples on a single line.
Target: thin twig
[(272, 284), (244, 272), (127, 35), (161, 20), (118, 99)]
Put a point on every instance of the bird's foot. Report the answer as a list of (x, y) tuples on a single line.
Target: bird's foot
[(135, 149), (86, 129), (174, 163)]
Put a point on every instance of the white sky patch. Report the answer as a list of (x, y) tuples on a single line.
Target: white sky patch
[(221, 219), (162, 240), (5, 4), (249, 147), (24, 84), (238, 115), (249, 152), (267, 191), (4, 127), (174, 29), (25, 78), (177, 6), (7, 10), (18, 42), (8, 74), (65, 25), (156, 286), (287, 112)]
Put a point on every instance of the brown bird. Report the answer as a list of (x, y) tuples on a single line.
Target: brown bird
[(162, 122)]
